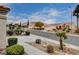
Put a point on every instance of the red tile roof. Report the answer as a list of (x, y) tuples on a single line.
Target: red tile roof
[(2, 8)]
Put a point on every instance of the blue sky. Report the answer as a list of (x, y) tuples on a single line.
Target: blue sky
[(46, 12)]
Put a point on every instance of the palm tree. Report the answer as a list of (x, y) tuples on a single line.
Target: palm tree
[(39, 24), (61, 35), (76, 13), (27, 24)]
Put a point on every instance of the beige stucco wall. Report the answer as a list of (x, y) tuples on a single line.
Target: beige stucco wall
[(2, 33)]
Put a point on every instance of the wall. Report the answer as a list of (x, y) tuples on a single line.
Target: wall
[(2, 33)]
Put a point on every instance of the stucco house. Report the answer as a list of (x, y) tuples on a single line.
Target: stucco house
[(3, 17)]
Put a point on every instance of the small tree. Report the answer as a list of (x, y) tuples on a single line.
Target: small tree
[(61, 35), (39, 24)]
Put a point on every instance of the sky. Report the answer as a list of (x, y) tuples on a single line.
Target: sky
[(45, 12)]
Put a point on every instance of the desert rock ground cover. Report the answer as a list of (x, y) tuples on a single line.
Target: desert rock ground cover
[(57, 51)]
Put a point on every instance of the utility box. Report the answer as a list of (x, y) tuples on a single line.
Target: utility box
[(3, 18)]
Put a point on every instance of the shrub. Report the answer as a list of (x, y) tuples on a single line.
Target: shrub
[(18, 31), (50, 49), (12, 41), (27, 32), (38, 41), (77, 31), (15, 50), (39, 25), (10, 32)]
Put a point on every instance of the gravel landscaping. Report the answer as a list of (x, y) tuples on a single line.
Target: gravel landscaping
[(57, 51)]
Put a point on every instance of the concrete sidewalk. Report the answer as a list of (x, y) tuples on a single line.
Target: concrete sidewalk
[(30, 50)]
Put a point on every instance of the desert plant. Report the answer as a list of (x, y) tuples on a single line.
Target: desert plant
[(27, 32), (18, 31), (61, 35), (67, 29), (39, 24), (77, 31), (15, 50), (38, 41), (50, 49), (10, 32), (11, 26), (12, 41)]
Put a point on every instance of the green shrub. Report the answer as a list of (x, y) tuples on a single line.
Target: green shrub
[(38, 41), (27, 32), (15, 50), (77, 31), (12, 41), (50, 49), (10, 32), (18, 31)]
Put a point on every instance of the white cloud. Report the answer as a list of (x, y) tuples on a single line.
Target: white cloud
[(36, 18), (5, 4), (9, 21), (74, 20), (53, 12), (16, 19), (50, 21), (48, 16), (49, 12), (45, 15), (21, 20)]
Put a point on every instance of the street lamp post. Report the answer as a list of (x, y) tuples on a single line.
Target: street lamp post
[(71, 20)]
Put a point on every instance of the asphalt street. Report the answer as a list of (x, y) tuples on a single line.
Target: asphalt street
[(74, 40)]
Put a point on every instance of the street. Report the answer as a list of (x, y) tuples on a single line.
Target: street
[(74, 40)]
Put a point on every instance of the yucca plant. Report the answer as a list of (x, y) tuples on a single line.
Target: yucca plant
[(61, 35)]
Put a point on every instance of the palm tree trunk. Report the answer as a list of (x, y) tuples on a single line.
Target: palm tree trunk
[(61, 44), (77, 22)]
